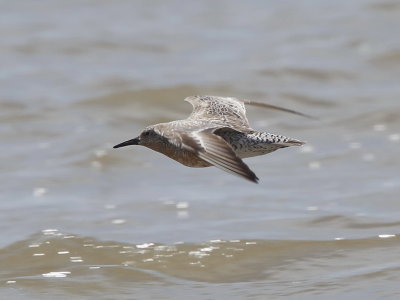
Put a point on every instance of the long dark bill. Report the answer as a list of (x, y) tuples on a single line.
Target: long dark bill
[(134, 141)]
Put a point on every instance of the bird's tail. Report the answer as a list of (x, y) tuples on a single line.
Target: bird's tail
[(291, 142)]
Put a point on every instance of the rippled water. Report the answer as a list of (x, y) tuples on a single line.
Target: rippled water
[(80, 219)]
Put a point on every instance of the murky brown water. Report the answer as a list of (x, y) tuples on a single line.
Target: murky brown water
[(82, 220)]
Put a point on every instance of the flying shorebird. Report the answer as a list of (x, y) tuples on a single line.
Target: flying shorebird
[(217, 133)]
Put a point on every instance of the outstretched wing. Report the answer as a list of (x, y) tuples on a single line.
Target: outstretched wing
[(231, 111), (216, 151), (228, 111)]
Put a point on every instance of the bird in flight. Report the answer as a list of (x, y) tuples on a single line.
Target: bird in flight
[(217, 133)]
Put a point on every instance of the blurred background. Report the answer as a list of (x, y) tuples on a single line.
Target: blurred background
[(80, 219)]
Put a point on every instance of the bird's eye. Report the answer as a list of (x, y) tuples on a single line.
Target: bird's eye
[(147, 133)]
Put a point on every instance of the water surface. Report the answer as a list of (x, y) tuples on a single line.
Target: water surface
[(80, 219)]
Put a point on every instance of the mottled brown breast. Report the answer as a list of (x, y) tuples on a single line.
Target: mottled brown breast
[(182, 156)]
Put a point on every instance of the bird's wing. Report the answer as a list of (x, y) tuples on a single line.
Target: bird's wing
[(226, 110), (270, 106), (230, 111), (216, 151)]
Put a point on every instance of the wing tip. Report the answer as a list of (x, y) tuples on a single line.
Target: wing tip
[(249, 175), (271, 106), (254, 179)]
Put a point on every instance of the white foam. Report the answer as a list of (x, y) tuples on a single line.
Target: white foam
[(182, 205), (386, 236), (39, 191), (394, 137), (56, 274), (379, 127), (118, 221), (145, 245)]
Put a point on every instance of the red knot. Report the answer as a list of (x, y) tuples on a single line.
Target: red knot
[(217, 133)]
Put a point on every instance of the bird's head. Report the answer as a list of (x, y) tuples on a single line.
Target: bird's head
[(146, 138)]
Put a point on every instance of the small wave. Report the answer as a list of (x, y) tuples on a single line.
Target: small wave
[(52, 254)]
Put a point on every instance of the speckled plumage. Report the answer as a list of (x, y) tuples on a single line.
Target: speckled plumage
[(216, 133)]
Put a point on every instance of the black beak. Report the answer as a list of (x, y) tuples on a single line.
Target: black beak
[(134, 141)]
